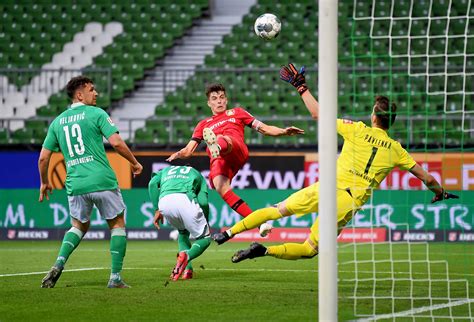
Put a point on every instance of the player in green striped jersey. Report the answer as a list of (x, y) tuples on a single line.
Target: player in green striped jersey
[(78, 133), (179, 194)]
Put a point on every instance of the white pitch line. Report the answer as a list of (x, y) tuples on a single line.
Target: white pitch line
[(66, 270), (233, 269), (417, 310), (158, 268)]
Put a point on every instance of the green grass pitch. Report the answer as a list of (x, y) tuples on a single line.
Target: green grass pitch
[(265, 289)]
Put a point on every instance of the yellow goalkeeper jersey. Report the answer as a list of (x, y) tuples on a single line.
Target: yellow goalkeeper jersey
[(367, 157)]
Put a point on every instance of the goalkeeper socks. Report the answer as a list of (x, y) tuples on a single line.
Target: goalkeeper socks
[(236, 203), (255, 219), (292, 251), (71, 240), (198, 247), (118, 246), (184, 244)]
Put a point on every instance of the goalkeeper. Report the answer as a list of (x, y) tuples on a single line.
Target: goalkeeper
[(367, 157), (179, 194)]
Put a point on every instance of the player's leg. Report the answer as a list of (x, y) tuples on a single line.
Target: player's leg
[(217, 144), (254, 220), (223, 187), (80, 208), (71, 240), (112, 208), (345, 210), (118, 248), (301, 202), (184, 244), (193, 218)]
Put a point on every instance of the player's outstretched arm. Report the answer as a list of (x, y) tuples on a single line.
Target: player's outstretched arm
[(43, 164), (121, 147), (311, 104), (432, 184), (185, 152), (297, 78), (271, 130)]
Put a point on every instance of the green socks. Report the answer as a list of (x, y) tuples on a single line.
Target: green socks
[(184, 244), (194, 250), (198, 247), (71, 240), (118, 246)]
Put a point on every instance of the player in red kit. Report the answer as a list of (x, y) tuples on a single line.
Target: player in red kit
[(223, 133)]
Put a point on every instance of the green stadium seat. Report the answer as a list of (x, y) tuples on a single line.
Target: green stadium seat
[(4, 136), (47, 111), (23, 135), (144, 135), (164, 110), (154, 49), (186, 109), (117, 92)]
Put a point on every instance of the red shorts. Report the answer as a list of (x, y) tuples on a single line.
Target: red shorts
[(229, 164)]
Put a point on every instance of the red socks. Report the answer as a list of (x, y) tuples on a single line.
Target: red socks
[(236, 203), (224, 144)]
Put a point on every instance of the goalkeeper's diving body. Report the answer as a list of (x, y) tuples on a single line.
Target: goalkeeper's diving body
[(179, 194), (367, 157)]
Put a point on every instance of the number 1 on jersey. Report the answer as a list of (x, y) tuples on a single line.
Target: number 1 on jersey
[(371, 159)]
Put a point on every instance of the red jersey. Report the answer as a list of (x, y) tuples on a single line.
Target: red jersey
[(230, 123)]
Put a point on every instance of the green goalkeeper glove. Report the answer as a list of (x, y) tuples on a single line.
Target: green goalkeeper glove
[(444, 195), (296, 78)]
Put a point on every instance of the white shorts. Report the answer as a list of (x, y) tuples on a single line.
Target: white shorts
[(184, 214), (109, 203)]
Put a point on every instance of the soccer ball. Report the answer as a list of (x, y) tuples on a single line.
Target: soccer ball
[(267, 26)]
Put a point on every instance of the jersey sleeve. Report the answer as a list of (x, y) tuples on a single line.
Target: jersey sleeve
[(105, 123), (347, 128), (244, 116), (51, 141), (154, 189), (197, 133), (406, 161)]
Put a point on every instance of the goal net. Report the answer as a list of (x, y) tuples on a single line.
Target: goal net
[(419, 53)]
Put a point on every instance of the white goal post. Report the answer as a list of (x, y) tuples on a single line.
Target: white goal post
[(327, 150)]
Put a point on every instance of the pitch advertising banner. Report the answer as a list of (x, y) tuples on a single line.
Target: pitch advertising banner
[(264, 170), (394, 210), (261, 171)]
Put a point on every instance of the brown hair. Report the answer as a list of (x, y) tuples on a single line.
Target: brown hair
[(384, 111), (214, 88), (75, 83)]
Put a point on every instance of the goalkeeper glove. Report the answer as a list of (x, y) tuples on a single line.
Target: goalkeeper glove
[(444, 195), (296, 78)]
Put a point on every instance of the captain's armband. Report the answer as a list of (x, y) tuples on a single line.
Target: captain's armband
[(256, 125)]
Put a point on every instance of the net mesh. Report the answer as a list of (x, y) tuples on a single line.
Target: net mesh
[(419, 53)]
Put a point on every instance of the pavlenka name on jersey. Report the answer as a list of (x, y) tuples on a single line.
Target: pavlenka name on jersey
[(370, 139), (72, 118), (212, 127), (77, 161)]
